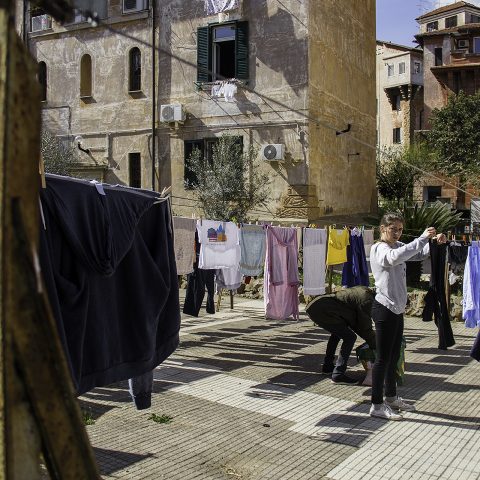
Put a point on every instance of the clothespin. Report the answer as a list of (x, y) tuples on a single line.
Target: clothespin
[(166, 191)]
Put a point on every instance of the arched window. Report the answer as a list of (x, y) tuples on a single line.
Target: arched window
[(135, 70), (42, 79), (86, 76)]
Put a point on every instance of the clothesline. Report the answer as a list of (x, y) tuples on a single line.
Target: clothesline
[(466, 237)]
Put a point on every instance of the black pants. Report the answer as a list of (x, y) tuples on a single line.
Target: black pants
[(198, 280), (388, 333), (348, 337), (436, 300)]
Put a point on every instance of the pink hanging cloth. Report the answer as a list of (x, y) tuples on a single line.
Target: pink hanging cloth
[(281, 274)]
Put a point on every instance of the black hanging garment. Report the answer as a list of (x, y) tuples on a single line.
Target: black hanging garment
[(457, 256), (108, 263), (435, 300), (197, 281), (475, 352)]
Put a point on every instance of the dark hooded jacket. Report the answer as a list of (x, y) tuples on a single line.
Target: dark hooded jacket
[(351, 306), (109, 267)]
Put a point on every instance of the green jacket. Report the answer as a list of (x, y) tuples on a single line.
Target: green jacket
[(351, 306)]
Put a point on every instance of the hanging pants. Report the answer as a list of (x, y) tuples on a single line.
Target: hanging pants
[(197, 282), (435, 300)]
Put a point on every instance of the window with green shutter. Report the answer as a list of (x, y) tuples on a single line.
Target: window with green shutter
[(203, 54), (241, 51), (222, 52)]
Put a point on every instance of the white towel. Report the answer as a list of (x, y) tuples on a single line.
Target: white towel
[(368, 242), (184, 235), (314, 250)]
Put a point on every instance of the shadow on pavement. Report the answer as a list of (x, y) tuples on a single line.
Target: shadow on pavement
[(110, 461)]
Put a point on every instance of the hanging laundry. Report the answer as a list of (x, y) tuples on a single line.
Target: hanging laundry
[(229, 91), (213, 7), (368, 242), (220, 244), (218, 89), (184, 236), (471, 293), (281, 274), (252, 250), (475, 352), (337, 246), (355, 270), (435, 300), (109, 268), (457, 256), (228, 279), (140, 389), (197, 281), (314, 249)]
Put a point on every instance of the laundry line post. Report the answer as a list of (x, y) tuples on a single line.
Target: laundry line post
[(231, 299), (330, 278)]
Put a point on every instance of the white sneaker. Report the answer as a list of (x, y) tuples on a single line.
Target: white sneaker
[(399, 404), (384, 412)]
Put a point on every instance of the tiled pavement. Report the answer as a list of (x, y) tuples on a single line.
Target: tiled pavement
[(248, 402)]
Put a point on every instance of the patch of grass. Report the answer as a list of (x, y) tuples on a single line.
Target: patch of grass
[(88, 418), (160, 418)]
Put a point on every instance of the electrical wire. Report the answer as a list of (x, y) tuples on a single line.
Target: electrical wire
[(95, 21)]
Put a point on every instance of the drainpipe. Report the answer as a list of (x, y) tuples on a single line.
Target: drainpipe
[(26, 16), (154, 103)]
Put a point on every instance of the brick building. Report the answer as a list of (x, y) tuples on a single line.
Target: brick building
[(450, 38)]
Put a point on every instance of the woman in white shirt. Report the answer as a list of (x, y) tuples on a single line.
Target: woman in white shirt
[(387, 261)]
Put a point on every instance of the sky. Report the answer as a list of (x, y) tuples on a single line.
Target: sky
[(396, 18)]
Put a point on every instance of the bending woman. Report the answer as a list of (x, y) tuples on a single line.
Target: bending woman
[(387, 261)]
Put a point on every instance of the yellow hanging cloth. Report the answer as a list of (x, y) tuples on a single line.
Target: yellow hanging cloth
[(337, 245)]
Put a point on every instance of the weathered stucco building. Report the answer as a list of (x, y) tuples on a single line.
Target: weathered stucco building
[(399, 93), (98, 85), (305, 71), (310, 57)]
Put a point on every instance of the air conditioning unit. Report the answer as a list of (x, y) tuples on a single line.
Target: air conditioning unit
[(130, 6), (172, 113), (273, 152), (41, 22), (463, 43)]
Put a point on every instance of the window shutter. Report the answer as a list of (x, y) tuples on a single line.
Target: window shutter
[(241, 51), (203, 54)]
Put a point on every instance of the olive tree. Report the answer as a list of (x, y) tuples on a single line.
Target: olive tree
[(231, 182)]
